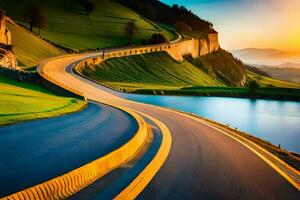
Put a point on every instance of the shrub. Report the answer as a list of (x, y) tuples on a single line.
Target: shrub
[(253, 86), (158, 38), (130, 31), (87, 6), (182, 27)]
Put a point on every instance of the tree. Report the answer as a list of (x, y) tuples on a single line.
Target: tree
[(130, 31), (150, 11), (175, 7), (182, 27), (87, 6), (158, 38), (34, 16), (253, 86)]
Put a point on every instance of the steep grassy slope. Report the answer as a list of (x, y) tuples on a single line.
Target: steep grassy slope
[(68, 25), (20, 102), (149, 71), (29, 49), (223, 65), (158, 73), (270, 82)]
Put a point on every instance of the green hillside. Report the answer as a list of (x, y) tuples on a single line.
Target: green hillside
[(155, 71), (20, 102), (68, 25), (270, 82), (223, 65), (29, 49), (210, 75)]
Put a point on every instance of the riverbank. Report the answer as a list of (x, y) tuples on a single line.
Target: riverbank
[(275, 93)]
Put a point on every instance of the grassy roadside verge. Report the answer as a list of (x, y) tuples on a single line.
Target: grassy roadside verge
[(240, 92), (22, 102)]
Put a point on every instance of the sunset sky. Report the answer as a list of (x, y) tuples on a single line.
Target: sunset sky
[(251, 23)]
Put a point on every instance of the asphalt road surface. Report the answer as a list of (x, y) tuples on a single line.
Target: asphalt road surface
[(36, 151), (203, 162)]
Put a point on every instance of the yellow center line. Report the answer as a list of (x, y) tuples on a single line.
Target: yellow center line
[(143, 179)]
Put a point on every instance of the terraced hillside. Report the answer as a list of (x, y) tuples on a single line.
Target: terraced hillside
[(68, 25), (29, 49), (149, 71), (20, 102)]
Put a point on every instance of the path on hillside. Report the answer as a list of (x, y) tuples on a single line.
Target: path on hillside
[(204, 163), (36, 151)]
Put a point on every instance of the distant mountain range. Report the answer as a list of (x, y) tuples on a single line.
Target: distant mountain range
[(284, 65), (268, 56)]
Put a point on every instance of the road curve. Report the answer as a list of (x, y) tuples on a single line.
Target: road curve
[(83, 137), (203, 162)]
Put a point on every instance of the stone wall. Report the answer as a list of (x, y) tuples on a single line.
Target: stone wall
[(19, 75), (195, 47), (213, 41)]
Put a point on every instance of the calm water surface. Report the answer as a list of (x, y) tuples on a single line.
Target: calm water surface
[(272, 120)]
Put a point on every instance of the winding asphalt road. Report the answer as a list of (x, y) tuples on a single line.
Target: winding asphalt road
[(34, 152), (203, 163)]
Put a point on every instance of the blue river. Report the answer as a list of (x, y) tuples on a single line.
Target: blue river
[(272, 120)]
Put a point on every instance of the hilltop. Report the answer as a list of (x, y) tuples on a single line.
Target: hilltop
[(68, 25)]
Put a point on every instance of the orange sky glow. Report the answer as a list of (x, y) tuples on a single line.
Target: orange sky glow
[(251, 23)]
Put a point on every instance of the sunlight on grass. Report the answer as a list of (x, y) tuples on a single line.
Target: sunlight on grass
[(20, 102), (149, 71), (30, 50), (69, 26)]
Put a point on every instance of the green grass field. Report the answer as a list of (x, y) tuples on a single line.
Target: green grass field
[(148, 71), (29, 49), (69, 26), (21, 102)]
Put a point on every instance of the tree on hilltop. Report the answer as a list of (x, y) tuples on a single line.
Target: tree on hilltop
[(182, 27), (130, 31), (34, 16), (88, 6)]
